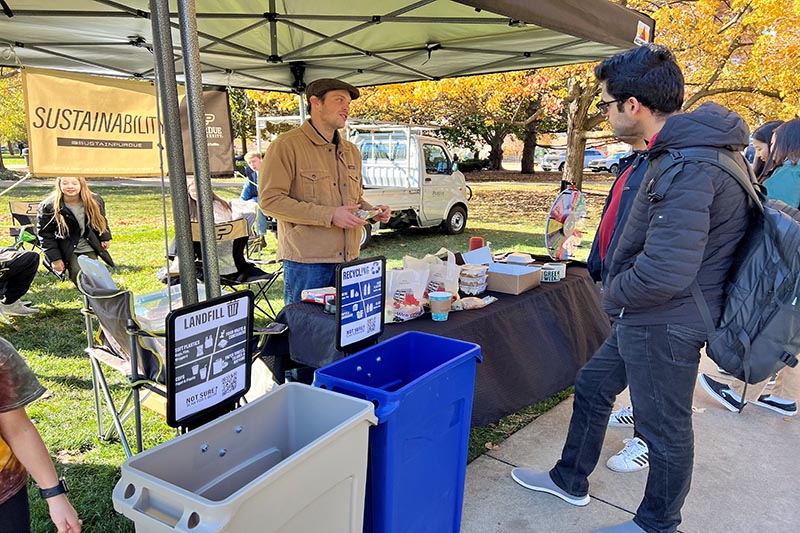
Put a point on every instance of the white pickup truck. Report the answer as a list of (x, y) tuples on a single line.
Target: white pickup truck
[(414, 175)]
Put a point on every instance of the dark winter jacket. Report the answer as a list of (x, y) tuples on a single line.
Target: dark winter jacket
[(57, 246), (638, 162), (691, 234)]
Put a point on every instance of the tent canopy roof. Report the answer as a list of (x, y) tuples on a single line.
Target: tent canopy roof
[(284, 44)]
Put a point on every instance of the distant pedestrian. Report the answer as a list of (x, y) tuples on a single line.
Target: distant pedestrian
[(250, 188), (762, 142), (784, 182)]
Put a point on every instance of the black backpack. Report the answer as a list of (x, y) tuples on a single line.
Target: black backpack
[(759, 331)]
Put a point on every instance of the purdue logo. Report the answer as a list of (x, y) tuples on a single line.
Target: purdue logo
[(223, 229), (210, 117)]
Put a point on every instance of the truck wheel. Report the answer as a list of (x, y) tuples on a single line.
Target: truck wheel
[(366, 234), (561, 167), (614, 168), (456, 220)]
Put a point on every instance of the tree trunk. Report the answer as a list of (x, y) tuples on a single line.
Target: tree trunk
[(2, 164), (244, 142), (581, 94), (529, 141), (496, 155)]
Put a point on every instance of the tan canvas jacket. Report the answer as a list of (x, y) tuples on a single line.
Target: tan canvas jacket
[(302, 180)]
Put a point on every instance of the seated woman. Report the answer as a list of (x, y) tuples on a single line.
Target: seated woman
[(230, 254), (72, 222)]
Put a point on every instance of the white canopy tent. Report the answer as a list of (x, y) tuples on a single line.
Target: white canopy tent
[(281, 45), (284, 44)]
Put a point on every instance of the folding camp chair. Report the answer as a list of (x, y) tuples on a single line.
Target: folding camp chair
[(25, 236), (115, 339), (235, 270), (23, 214)]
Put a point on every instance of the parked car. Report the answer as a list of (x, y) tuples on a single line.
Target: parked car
[(556, 160), (608, 164)]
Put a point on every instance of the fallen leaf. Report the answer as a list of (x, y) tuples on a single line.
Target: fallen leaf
[(491, 446)]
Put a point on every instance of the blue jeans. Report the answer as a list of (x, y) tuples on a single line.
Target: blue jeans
[(300, 276), (261, 223), (659, 363)]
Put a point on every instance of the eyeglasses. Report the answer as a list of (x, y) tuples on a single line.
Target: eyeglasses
[(602, 105)]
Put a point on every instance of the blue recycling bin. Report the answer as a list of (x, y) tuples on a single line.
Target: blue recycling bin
[(422, 387)]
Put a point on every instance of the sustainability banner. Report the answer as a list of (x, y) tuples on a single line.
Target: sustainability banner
[(80, 125)]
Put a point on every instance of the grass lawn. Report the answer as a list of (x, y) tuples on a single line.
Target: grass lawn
[(509, 215)]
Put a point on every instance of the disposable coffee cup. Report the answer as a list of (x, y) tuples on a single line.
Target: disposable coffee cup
[(560, 267), (553, 272), (440, 305)]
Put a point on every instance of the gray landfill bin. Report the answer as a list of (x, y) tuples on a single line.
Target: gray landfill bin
[(293, 460)]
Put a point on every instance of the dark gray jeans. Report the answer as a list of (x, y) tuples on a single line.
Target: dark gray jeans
[(659, 363)]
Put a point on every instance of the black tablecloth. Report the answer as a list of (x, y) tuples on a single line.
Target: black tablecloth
[(532, 344)]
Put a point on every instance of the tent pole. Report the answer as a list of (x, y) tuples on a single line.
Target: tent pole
[(197, 128), (168, 93), (303, 111)]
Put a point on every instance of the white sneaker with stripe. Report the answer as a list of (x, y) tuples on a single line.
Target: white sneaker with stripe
[(632, 458), (622, 418)]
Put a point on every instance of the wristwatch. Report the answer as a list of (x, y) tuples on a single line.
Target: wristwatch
[(61, 488)]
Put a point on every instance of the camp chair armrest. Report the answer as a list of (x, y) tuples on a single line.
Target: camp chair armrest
[(145, 333)]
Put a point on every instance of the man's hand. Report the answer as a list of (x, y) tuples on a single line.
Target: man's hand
[(343, 217), (385, 214), (58, 266), (105, 244)]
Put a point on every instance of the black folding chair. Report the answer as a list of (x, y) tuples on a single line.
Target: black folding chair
[(25, 236), (23, 214), (235, 270)]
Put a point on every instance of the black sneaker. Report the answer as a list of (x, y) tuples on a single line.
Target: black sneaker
[(779, 405), (721, 393)]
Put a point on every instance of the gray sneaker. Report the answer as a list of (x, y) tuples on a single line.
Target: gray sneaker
[(17, 309), (541, 482)]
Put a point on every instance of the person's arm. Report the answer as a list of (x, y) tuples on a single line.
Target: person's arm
[(26, 443), (46, 230), (105, 237)]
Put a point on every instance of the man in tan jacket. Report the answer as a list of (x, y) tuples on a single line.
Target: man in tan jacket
[(310, 182)]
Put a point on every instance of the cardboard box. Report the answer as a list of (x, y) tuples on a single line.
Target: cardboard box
[(513, 279), (504, 277)]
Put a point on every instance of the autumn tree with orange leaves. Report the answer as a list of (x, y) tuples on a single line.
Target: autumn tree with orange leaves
[(739, 53), (471, 111)]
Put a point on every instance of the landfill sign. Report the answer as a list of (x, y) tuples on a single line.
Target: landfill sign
[(359, 302), (209, 355)]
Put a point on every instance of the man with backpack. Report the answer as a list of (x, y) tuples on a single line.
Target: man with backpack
[(680, 230)]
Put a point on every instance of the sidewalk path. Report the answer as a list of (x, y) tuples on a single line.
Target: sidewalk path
[(745, 480)]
